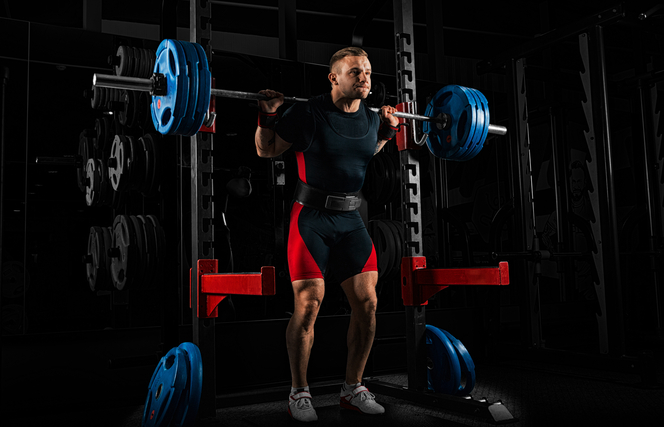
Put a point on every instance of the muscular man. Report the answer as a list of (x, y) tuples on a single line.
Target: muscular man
[(334, 137)]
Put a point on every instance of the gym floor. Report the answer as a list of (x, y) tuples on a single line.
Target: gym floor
[(536, 393)]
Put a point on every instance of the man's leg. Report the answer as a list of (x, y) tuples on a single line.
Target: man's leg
[(308, 295), (361, 292)]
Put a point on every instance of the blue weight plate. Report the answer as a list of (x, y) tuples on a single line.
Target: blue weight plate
[(473, 131), (191, 59), (444, 375), (185, 414), (165, 389), (485, 127), (477, 124), (450, 143), (466, 364), (482, 127), (167, 109), (204, 93)]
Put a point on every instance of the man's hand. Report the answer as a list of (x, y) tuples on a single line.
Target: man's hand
[(271, 105), (387, 117)]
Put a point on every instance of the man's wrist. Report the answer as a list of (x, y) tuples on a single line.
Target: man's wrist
[(267, 120)]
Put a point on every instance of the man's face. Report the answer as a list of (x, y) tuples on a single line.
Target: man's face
[(352, 77)]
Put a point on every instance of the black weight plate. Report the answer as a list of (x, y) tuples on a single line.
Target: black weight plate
[(119, 199), (136, 163), (152, 142), (116, 165), (161, 244), (150, 237), (15, 279), (121, 67), (395, 259), (97, 267), (141, 259), (105, 188), (92, 183), (83, 153), (123, 266), (382, 246), (144, 185)]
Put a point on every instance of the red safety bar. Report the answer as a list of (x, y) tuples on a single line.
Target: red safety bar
[(213, 287), (420, 283), (404, 138)]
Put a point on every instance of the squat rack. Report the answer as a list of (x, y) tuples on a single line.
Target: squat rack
[(422, 282)]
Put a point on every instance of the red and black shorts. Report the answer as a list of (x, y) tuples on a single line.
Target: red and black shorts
[(320, 243)]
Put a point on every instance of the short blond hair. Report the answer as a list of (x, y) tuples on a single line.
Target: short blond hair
[(347, 51)]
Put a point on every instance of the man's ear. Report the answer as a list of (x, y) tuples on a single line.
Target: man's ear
[(332, 77)]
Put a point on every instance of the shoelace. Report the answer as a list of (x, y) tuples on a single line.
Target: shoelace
[(303, 403), (365, 395)]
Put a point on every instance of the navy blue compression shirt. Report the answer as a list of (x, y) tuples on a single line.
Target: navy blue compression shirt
[(333, 148)]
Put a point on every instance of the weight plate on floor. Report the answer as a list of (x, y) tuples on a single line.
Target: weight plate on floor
[(166, 387), (466, 364), (444, 371), (167, 109), (185, 414)]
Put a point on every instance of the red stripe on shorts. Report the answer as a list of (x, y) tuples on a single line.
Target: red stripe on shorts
[(301, 264)]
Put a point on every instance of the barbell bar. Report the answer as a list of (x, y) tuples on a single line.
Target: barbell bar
[(151, 85), (456, 120)]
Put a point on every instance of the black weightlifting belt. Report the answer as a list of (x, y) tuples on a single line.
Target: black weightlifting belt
[(324, 200)]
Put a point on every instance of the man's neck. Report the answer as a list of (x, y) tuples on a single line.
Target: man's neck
[(347, 105)]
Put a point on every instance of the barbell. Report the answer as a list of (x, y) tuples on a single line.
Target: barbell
[(456, 120)]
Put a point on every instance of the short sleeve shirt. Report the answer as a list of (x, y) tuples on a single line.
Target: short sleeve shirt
[(333, 147)]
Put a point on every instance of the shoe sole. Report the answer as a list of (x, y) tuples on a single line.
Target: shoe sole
[(299, 421), (346, 405)]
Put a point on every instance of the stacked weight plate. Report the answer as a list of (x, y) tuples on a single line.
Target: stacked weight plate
[(382, 180), (98, 261), (134, 164), (137, 252), (464, 137), (174, 392), (387, 237), (449, 363), (188, 80)]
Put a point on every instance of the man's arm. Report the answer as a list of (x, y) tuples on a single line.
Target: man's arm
[(387, 120), (268, 143)]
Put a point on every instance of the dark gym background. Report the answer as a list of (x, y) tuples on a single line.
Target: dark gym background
[(67, 350)]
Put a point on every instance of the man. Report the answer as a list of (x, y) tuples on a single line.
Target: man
[(334, 136)]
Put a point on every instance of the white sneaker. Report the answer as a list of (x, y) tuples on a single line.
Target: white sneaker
[(300, 408), (361, 400)]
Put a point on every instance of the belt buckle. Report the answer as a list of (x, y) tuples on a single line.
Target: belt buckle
[(339, 203)]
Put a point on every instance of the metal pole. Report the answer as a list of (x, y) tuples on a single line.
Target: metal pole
[(148, 85)]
